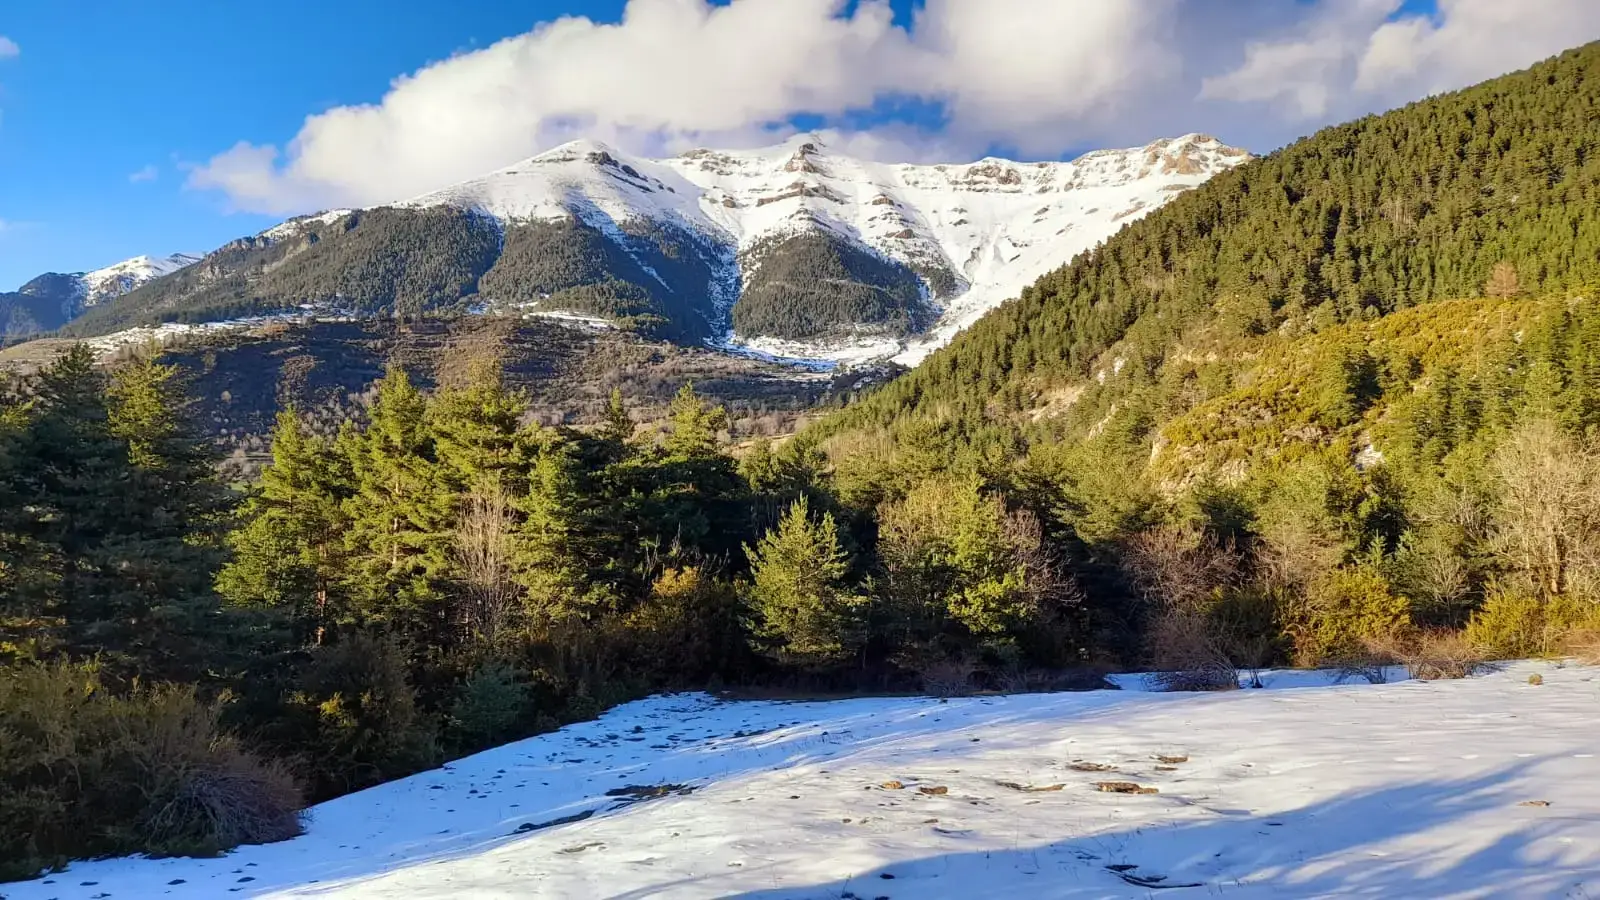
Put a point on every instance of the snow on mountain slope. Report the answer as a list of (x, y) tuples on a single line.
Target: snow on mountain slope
[(115, 280), (1488, 787), (977, 233)]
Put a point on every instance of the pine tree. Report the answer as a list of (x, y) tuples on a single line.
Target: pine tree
[(797, 589), (557, 562), (399, 533), (289, 552), (123, 518), (619, 425), (695, 425), (476, 433)]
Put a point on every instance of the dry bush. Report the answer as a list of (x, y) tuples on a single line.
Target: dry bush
[(221, 802), (1371, 664), (1583, 645), (1189, 655), (85, 772), (1178, 567), (947, 678), (1432, 655)]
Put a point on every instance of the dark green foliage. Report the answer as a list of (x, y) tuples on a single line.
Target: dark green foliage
[(117, 525), (488, 708), (289, 548), (573, 265), (352, 718), (820, 286), (388, 260)]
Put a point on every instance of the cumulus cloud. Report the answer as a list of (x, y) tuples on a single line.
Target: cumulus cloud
[(1040, 77), (676, 72), (1352, 56), (148, 173), (8, 48)]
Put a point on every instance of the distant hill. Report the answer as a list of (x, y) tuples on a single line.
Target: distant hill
[(53, 299)]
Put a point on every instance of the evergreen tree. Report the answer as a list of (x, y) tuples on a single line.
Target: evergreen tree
[(557, 561), (289, 551), (797, 589), (120, 520), (619, 425), (476, 433), (398, 537), (695, 425)]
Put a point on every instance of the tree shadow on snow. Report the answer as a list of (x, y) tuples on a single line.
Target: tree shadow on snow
[(1386, 843)]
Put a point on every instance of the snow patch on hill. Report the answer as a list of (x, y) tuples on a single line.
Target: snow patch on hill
[(1488, 787)]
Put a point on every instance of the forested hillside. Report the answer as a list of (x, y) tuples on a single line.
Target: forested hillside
[(1493, 188), (374, 261)]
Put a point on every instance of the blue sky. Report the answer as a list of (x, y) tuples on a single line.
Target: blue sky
[(92, 99), (175, 125)]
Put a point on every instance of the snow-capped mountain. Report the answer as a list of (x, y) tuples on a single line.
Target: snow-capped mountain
[(974, 234), (115, 280), (794, 250), (53, 299)]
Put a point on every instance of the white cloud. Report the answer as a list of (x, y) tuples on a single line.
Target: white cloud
[(9, 48), (148, 173), (1042, 76), (687, 71), (1352, 56)]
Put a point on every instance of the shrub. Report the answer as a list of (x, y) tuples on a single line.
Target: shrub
[(688, 628), (1515, 626), (489, 706), (85, 773), (1431, 655), (1584, 646), (1189, 654), (1344, 609), (354, 718), (947, 677)]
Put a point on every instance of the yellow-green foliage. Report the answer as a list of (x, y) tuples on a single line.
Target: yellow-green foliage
[(1514, 626), (85, 772), (953, 541), (1344, 608), (1286, 401)]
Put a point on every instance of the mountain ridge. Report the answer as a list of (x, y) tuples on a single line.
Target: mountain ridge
[(793, 249), (52, 299)]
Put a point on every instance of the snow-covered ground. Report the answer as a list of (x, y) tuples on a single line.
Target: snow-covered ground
[(1484, 788), (170, 333)]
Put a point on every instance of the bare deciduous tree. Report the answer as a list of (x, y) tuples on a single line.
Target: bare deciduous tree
[(1180, 568), (483, 551)]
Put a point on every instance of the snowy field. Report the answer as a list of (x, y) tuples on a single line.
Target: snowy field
[(1481, 788)]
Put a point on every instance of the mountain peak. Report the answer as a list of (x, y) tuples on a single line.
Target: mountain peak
[(573, 151)]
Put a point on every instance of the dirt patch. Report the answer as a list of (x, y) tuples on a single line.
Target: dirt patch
[(640, 793), (1124, 787), (1029, 788), (526, 827), (1081, 766)]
